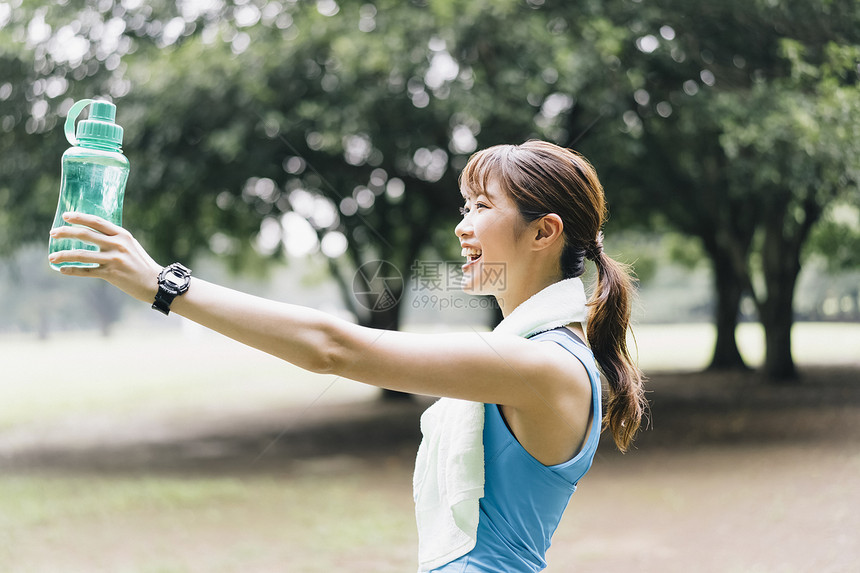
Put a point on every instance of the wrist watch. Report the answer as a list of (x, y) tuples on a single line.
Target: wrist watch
[(172, 282)]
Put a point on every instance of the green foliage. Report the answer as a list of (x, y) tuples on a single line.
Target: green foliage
[(837, 237), (729, 121), (355, 116), (684, 251), (250, 125)]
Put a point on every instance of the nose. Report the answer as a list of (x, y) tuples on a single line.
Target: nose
[(463, 228)]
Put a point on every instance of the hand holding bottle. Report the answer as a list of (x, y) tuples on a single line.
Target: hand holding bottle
[(120, 259)]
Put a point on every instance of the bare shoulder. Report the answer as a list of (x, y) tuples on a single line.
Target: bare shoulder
[(554, 425), (566, 377)]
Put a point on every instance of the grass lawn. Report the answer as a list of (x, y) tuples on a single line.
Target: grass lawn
[(164, 523), (189, 372), (193, 453)]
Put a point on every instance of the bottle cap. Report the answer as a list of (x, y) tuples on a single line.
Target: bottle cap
[(99, 127)]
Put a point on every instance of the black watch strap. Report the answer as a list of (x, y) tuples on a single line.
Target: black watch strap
[(162, 301), (173, 281)]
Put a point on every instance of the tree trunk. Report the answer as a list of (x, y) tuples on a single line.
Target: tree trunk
[(44, 326), (783, 240), (779, 362), (729, 291), (105, 305), (781, 264), (731, 278)]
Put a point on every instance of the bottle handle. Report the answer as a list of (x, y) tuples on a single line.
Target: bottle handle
[(73, 114)]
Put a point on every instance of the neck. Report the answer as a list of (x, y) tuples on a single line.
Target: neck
[(560, 304), (511, 298)]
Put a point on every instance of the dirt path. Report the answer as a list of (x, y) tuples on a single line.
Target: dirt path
[(734, 476)]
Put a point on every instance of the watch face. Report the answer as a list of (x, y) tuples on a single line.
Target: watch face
[(174, 280)]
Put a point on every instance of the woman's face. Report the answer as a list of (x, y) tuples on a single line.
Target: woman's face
[(489, 235)]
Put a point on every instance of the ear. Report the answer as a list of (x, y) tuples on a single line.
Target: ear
[(547, 230)]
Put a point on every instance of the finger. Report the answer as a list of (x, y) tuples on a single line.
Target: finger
[(78, 271), (77, 256), (92, 221), (84, 234)]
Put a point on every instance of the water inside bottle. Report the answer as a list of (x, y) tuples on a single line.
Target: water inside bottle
[(88, 187)]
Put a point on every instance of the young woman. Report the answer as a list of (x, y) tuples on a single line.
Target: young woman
[(497, 467)]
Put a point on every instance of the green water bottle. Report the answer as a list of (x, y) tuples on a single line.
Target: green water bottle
[(94, 172)]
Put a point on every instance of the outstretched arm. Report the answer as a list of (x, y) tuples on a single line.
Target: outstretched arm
[(485, 367), (294, 333)]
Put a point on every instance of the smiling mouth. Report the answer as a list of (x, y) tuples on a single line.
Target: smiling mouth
[(472, 256)]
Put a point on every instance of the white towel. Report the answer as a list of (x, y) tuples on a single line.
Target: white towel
[(449, 470)]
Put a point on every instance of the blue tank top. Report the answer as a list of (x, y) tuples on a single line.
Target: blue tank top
[(523, 499)]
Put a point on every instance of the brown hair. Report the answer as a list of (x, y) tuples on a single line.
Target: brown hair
[(544, 178)]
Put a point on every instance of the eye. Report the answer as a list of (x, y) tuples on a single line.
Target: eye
[(480, 205), (464, 211)]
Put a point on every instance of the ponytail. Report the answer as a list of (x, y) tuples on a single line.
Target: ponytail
[(608, 322)]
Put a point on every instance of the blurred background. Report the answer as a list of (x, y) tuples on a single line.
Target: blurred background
[(280, 147)]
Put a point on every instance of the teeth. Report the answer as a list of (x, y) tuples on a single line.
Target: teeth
[(470, 253)]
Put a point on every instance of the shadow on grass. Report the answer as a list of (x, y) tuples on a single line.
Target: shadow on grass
[(688, 410)]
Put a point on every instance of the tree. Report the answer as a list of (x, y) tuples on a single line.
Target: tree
[(354, 132), (253, 123), (686, 80), (800, 156)]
